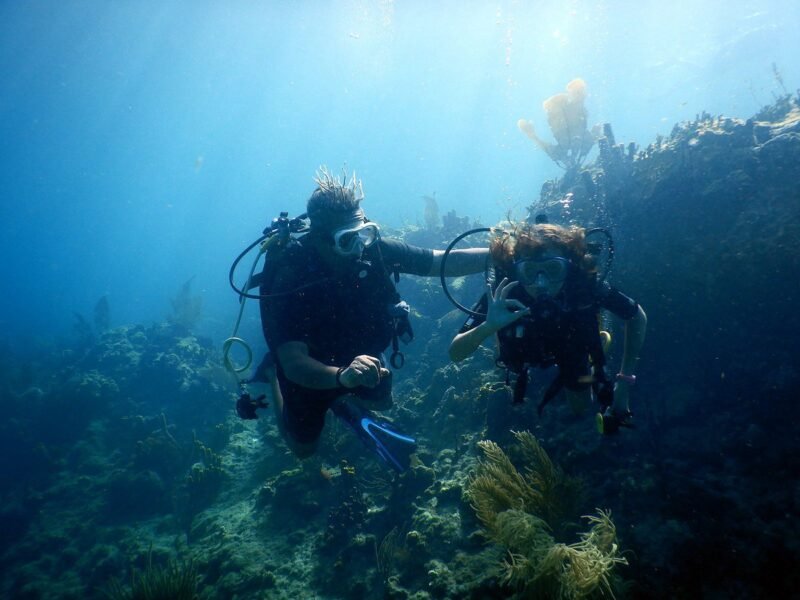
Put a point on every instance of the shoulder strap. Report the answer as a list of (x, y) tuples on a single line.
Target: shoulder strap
[(391, 273), (398, 310), (278, 257)]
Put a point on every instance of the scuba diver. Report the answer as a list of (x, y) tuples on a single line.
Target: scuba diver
[(543, 304), (329, 311)]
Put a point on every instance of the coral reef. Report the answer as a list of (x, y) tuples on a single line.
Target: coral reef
[(206, 476), (101, 440)]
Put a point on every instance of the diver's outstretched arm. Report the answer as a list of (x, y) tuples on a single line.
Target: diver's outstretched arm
[(460, 262)]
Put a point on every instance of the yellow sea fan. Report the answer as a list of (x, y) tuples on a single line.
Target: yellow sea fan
[(512, 508)]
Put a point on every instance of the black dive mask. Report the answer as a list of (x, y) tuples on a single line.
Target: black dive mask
[(553, 270)]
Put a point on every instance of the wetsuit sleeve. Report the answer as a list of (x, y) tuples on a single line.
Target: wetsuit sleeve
[(473, 321), (402, 258), (618, 303)]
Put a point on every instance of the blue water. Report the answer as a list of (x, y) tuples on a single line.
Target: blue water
[(144, 143)]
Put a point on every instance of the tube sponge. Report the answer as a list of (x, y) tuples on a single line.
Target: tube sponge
[(526, 127), (576, 90), (555, 152), (567, 118)]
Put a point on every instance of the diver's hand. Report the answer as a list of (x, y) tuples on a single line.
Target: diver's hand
[(364, 370), (501, 311)]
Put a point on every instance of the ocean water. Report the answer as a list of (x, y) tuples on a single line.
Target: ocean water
[(143, 145), (146, 143)]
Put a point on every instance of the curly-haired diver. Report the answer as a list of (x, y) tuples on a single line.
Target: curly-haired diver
[(544, 307)]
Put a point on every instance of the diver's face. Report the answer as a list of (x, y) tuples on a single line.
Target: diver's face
[(542, 275)]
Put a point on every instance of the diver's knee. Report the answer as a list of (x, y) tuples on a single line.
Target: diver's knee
[(303, 451)]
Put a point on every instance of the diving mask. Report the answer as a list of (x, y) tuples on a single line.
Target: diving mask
[(554, 270), (352, 240)]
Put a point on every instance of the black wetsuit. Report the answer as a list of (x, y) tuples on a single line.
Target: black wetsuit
[(340, 316), (562, 331)]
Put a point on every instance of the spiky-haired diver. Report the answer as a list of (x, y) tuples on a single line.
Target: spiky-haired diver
[(330, 311)]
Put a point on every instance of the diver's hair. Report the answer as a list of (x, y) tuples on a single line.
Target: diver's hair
[(335, 193), (527, 240)]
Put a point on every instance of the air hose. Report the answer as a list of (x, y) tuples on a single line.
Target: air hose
[(234, 339), (442, 270)]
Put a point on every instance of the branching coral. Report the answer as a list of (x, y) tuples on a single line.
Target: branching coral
[(514, 509), (578, 570), (567, 118), (205, 477)]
